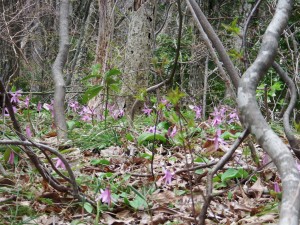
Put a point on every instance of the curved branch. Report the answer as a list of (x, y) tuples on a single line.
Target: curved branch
[(294, 142), (252, 118), (244, 41), (164, 22)]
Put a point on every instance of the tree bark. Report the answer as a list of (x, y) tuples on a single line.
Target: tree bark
[(138, 53), (57, 72), (252, 118)]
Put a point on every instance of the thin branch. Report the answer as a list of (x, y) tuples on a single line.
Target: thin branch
[(294, 142), (210, 175)]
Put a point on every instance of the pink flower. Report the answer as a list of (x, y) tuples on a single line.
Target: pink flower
[(146, 110), (28, 131), (173, 132), (105, 196), (218, 140), (6, 111), (15, 96), (276, 187), (266, 159), (39, 107), (60, 164), (197, 110), (74, 105), (11, 159), (167, 177), (233, 117), (49, 107), (27, 101), (153, 130)]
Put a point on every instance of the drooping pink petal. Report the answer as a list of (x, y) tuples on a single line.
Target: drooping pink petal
[(27, 99), (11, 159), (276, 187), (39, 107), (105, 196), (28, 131), (167, 177), (60, 164)]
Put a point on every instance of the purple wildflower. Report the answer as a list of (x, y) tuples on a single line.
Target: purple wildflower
[(60, 164), (74, 105), (27, 102), (217, 117), (233, 117), (218, 140), (6, 111), (39, 107), (197, 110), (173, 132), (153, 130), (266, 159), (15, 96), (146, 110), (105, 196), (276, 187), (167, 177), (28, 131), (11, 159)]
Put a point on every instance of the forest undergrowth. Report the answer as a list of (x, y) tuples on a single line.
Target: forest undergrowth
[(151, 172)]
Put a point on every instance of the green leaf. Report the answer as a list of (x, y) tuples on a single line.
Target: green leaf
[(137, 192), (104, 162), (88, 207), (96, 68), (174, 96), (129, 137), (91, 76), (145, 137), (138, 203), (112, 72), (146, 156), (229, 174), (233, 173), (91, 93), (71, 124), (163, 125)]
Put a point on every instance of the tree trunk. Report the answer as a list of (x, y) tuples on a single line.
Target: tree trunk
[(138, 53), (105, 33), (57, 72)]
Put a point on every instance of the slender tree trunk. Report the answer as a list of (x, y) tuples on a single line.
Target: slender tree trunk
[(138, 53), (105, 33), (57, 72)]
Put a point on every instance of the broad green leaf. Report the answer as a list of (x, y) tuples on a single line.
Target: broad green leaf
[(91, 93), (129, 137), (112, 72), (145, 137), (229, 174), (163, 125), (88, 207), (95, 162), (138, 203), (71, 124)]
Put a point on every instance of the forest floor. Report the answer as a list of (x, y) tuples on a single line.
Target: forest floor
[(120, 160)]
